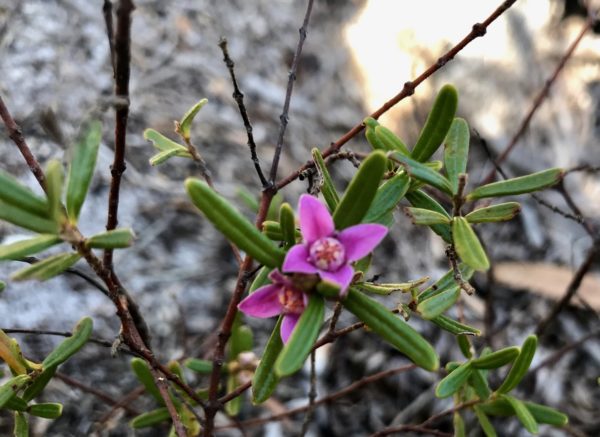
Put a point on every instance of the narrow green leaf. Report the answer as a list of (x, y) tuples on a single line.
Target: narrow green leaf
[(232, 224), (328, 189), (464, 344), (26, 219), (16, 194), (520, 366), (12, 386), (2, 287), (21, 425), (242, 339), (544, 414), (467, 245), (371, 136), (520, 185), (50, 410), (496, 359), (38, 384), (197, 365), (456, 151), (392, 329), (388, 196), (303, 337), (328, 289), (420, 216), (479, 382), (143, 374), (115, 239), (262, 278), (437, 125), (454, 327), (484, 422), (234, 406), (69, 346), (390, 141), (150, 418), (523, 414), (452, 382), (161, 157), (422, 172), (287, 221), (47, 268), (386, 289), (186, 122), (446, 282), (496, 213), (28, 247), (54, 187), (459, 425), (436, 305), (360, 192), (419, 199), (163, 143), (16, 403), (10, 353), (265, 379), (82, 168)]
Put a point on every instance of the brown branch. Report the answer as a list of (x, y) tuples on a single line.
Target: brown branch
[(559, 354), (163, 388), (107, 12), (478, 30), (121, 403)]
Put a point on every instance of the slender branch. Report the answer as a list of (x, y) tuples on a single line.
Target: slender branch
[(163, 388), (559, 354), (107, 12), (122, 58), (538, 101), (121, 403), (239, 99), (284, 118), (412, 428), (478, 30), (235, 393)]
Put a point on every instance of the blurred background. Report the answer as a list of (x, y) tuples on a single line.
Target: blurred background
[(55, 72)]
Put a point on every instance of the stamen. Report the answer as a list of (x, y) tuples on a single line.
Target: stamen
[(327, 254)]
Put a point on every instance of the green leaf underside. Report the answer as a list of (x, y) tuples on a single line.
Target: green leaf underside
[(392, 329), (456, 151), (186, 121), (479, 382), (233, 225), (161, 157), (496, 359), (360, 192), (47, 268), (26, 219), (31, 246), (390, 141), (115, 239), (495, 213), (10, 387), (54, 186), (328, 189), (82, 168), (454, 327), (520, 366), (523, 414), (69, 346), (541, 413), (524, 184), (161, 142), (419, 199), (423, 173), (468, 245), (446, 282), (420, 216), (150, 418), (265, 379), (437, 125), (436, 305), (18, 195), (21, 425), (452, 382), (300, 343), (389, 194)]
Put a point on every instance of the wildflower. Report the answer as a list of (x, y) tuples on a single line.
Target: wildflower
[(280, 297), (326, 251)]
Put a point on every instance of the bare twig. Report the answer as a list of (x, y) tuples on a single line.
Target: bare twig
[(107, 12), (163, 388), (559, 354)]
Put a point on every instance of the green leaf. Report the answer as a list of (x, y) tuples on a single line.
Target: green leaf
[(390, 141), (454, 327), (303, 337), (197, 365), (21, 425), (360, 192), (388, 196), (115, 239), (437, 125), (31, 246), (479, 382), (420, 216), (69, 346), (81, 168), (387, 289), (392, 329), (446, 282), (27, 220), (12, 192), (265, 379), (10, 353), (12, 386), (54, 186), (50, 410), (520, 366), (38, 384), (496, 213), (421, 200), (544, 414), (523, 414), (242, 339), (371, 136), (143, 374), (329, 193), (287, 221), (150, 418), (47, 268), (232, 224), (186, 122), (464, 344), (423, 173), (2, 287), (452, 382), (520, 185), (436, 305), (234, 406), (161, 157), (456, 151), (328, 289), (459, 425), (496, 359), (468, 246), (262, 278), (16, 403), (484, 422), (166, 146)]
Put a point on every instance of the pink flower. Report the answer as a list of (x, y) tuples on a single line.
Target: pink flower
[(326, 251), (280, 297)]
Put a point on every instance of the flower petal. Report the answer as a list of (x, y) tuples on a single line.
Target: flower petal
[(263, 303), (296, 260), (359, 240), (287, 325), (315, 219), (342, 277)]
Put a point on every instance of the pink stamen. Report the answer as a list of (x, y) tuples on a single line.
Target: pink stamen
[(327, 254)]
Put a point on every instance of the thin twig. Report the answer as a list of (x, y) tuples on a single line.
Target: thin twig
[(312, 395), (163, 388), (284, 117), (107, 12), (559, 354), (121, 403), (238, 96)]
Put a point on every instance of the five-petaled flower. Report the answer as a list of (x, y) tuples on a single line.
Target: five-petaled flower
[(280, 297), (328, 252)]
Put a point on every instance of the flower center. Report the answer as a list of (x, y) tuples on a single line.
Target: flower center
[(327, 254), (292, 301)]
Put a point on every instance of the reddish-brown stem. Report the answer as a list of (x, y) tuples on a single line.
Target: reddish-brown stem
[(163, 388)]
